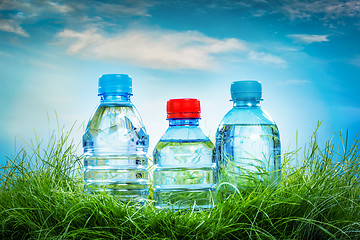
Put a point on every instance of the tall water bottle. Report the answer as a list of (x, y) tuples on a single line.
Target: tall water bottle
[(185, 171), (247, 142), (115, 143)]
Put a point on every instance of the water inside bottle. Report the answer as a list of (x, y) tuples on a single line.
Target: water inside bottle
[(185, 174), (248, 155), (115, 160)]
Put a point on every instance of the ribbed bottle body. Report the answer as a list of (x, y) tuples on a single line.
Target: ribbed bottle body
[(185, 172), (115, 145), (248, 150)]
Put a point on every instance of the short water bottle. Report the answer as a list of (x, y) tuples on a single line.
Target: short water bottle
[(115, 143), (247, 142), (185, 169)]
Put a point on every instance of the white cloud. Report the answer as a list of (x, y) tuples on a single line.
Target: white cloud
[(355, 61), (307, 38), (266, 58), (294, 10), (43, 64), (5, 54), (129, 8), (35, 9), (69, 13), (151, 48), (57, 7), (8, 25), (79, 9), (330, 9)]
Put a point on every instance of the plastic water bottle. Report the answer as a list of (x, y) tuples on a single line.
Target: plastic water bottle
[(185, 171), (115, 143), (247, 142)]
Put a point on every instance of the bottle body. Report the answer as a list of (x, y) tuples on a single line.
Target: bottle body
[(115, 145), (248, 150), (185, 172)]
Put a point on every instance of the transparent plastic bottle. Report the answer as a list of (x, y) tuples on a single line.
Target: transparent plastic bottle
[(115, 143), (247, 142), (185, 170)]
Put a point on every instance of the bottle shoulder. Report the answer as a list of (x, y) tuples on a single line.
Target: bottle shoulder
[(249, 116), (109, 115), (185, 134), (115, 130)]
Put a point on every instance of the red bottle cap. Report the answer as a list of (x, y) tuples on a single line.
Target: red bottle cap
[(183, 108)]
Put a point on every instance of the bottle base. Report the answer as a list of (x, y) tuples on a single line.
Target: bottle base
[(181, 199), (121, 191)]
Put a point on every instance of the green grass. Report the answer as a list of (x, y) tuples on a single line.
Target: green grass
[(41, 197)]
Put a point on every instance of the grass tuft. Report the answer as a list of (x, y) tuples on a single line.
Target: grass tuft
[(41, 197)]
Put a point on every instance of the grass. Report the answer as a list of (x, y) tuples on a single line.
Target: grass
[(41, 197)]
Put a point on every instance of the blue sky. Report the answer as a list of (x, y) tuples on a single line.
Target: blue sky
[(305, 53)]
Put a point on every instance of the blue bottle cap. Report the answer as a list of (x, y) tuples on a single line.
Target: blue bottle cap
[(245, 90), (115, 84)]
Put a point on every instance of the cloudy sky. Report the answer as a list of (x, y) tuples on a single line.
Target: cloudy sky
[(305, 53)]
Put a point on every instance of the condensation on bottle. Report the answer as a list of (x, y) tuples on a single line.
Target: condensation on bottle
[(248, 151), (115, 143), (185, 170)]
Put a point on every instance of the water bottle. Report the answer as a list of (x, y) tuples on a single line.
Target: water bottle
[(247, 142), (115, 143), (185, 169)]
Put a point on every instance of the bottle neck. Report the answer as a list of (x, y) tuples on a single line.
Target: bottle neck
[(114, 98), (184, 122), (246, 103)]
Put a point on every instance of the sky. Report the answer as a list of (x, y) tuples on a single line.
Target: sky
[(305, 53)]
